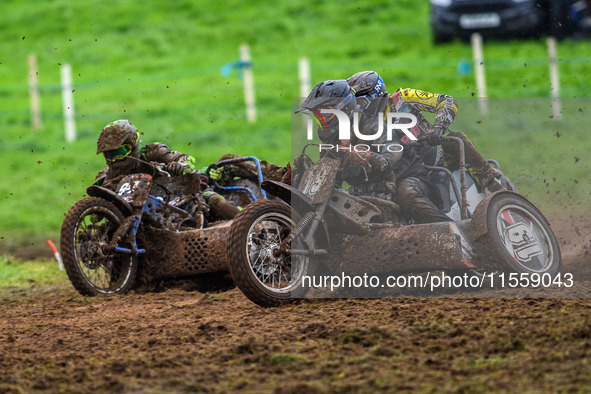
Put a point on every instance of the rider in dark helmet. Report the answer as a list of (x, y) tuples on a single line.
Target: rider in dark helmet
[(367, 171), (120, 140), (368, 85), (338, 95), (329, 95)]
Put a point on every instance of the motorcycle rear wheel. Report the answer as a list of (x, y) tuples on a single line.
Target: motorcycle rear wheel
[(264, 276), (92, 268)]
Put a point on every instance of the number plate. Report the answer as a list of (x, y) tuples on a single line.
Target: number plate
[(134, 188), (319, 179), (476, 21)]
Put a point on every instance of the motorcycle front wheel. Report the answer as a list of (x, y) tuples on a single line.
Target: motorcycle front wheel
[(91, 265), (264, 274)]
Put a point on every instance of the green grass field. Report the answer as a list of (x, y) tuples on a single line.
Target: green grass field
[(159, 65), (16, 274)]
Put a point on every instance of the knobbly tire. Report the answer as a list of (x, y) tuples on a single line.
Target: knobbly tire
[(85, 235), (264, 276), (519, 238)]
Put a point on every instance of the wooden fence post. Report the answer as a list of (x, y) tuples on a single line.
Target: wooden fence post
[(34, 93), (304, 76), (479, 70), (554, 78)]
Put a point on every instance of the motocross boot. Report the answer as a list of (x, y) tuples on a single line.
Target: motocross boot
[(219, 205), (493, 186), (487, 178)]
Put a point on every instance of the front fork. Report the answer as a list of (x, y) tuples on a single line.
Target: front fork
[(131, 224), (309, 224)]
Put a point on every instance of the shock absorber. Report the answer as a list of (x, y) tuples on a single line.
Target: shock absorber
[(303, 223), (301, 227)]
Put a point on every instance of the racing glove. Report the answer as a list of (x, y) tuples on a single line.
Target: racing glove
[(378, 162), (431, 138), (438, 129), (359, 159), (366, 159), (175, 168), (216, 173)]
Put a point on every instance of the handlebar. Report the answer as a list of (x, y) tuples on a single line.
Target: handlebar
[(159, 168), (222, 163)]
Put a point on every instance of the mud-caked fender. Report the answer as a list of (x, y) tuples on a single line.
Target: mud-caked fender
[(109, 195), (479, 225)]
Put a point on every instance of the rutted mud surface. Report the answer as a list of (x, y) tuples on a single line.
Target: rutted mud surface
[(180, 340)]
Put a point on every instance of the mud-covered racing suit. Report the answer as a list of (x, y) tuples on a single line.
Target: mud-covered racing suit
[(247, 169), (386, 173), (445, 107), (176, 163), (382, 160), (157, 153), (413, 190)]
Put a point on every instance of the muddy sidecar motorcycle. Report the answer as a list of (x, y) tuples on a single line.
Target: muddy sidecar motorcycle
[(326, 230), (151, 226)]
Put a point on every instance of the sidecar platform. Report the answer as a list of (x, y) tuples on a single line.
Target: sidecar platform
[(413, 248), (171, 254)]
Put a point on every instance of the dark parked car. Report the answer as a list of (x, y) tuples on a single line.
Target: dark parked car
[(509, 18)]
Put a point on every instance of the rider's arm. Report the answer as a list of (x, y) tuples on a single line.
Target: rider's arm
[(162, 154), (445, 107)]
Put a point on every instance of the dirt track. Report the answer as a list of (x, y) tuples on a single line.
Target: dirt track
[(181, 340)]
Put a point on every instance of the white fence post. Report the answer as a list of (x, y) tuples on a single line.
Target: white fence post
[(479, 70), (249, 100), (34, 93), (304, 73), (68, 102), (554, 78)]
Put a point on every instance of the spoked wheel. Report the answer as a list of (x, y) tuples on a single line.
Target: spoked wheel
[(265, 272), (519, 238), (93, 268)]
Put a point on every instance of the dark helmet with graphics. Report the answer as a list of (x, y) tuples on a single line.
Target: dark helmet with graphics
[(367, 83), (118, 140), (335, 95)]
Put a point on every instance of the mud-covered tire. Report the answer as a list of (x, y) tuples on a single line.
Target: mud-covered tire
[(255, 233), (86, 230), (519, 238)]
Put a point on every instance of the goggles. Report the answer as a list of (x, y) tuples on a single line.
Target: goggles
[(120, 153)]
